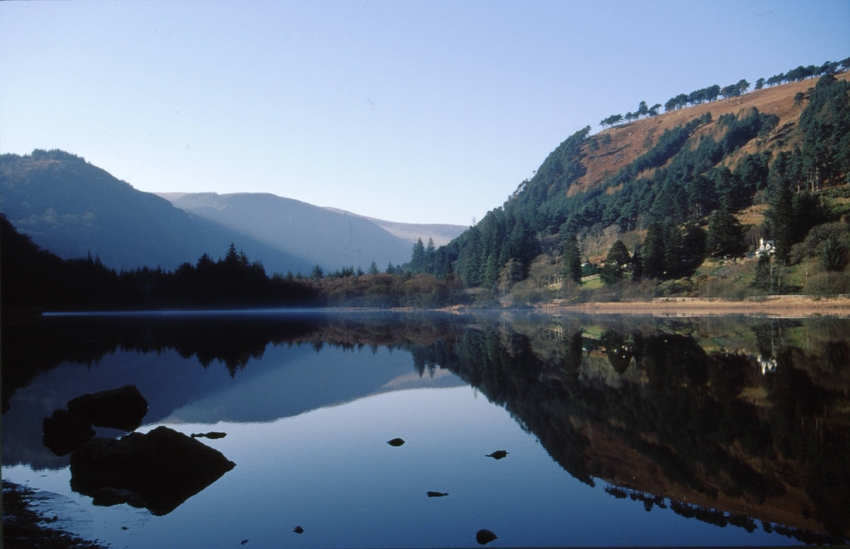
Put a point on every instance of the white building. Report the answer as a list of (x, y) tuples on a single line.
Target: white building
[(766, 247)]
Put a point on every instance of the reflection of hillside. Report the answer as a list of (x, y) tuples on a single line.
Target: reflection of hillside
[(66, 357), (654, 412), (31, 348), (671, 409)]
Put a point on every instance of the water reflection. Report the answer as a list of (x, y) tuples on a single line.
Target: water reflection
[(687, 411), (732, 422)]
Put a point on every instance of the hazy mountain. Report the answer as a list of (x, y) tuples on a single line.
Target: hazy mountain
[(73, 208), (329, 238), (440, 233)]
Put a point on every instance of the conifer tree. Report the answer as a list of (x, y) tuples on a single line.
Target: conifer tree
[(654, 251), (571, 260), (615, 263), (417, 261), (762, 275), (833, 256), (724, 231), (430, 257)]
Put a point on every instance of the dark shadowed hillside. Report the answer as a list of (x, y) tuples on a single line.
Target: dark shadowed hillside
[(73, 208)]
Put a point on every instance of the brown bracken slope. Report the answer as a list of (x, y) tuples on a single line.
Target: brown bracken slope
[(629, 141)]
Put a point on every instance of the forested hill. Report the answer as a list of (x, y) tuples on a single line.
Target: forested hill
[(715, 149)]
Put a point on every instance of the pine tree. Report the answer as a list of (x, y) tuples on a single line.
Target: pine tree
[(430, 257), (693, 247), (417, 261), (637, 265), (833, 256), (615, 263), (724, 231), (571, 260), (654, 251), (781, 219), (491, 272)]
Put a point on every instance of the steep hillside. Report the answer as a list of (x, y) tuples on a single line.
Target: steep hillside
[(774, 156), (73, 208), (318, 235), (631, 140)]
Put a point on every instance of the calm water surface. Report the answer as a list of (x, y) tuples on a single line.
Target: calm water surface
[(619, 431)]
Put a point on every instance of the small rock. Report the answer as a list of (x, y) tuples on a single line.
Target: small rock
[(162, 469), (107, 497), (395, 442), (483, 537), (65, 431), (437, 494), (121, 408), (298, 530), (498, 454), (211, 435)]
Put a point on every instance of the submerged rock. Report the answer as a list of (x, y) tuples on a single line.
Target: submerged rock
[(498, 454), (107, 497), (437, 494), (395, 442), (210, 435), (163, 467), (121, 408), (65, 431), (483, 537)]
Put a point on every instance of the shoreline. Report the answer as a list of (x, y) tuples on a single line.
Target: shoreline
[(787, 306)]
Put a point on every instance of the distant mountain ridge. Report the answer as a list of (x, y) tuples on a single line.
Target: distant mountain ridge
[(318, 235), (72, 208), (440, 233)]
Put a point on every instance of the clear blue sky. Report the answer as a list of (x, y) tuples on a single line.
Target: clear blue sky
[(418, 111)]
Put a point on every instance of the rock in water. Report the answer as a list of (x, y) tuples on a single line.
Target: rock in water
[(395, 442), (484, 537), (436, 494), (107, 497), (298, 530), (121, 408), (210, 435), (498, 454), (163, 467), (65, 431)]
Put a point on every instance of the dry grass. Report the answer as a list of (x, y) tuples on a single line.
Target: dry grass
[(629, 141)]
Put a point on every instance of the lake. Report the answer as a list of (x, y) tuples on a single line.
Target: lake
[(613, 431)]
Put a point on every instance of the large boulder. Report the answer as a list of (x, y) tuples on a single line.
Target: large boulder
[(121, 408), (65, 431), (163, 468)]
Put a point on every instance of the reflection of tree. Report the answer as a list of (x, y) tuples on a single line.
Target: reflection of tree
[(715, 426), (689, 417), (33, 347)]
